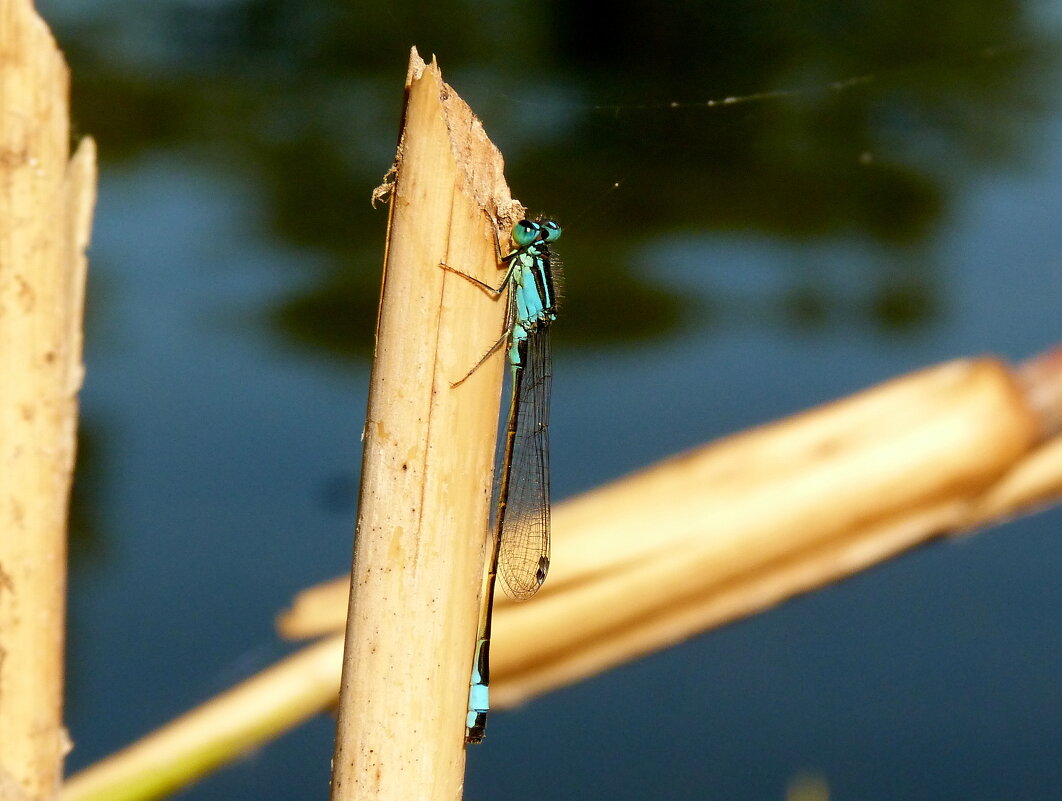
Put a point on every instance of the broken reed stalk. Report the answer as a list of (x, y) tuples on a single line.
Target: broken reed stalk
[(427, 464), (742, 524), (46, 202), (765, 515), (992, 450)]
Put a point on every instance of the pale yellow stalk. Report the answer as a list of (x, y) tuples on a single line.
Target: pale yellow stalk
[(426, 470), (46, 202)]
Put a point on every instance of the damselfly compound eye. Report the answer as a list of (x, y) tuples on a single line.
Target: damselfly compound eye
[(525, 232), (550, 231)]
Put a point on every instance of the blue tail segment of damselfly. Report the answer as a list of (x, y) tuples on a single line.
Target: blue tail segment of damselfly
[(520, 546)]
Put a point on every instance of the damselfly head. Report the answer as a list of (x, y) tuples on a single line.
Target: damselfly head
[(527, 232)]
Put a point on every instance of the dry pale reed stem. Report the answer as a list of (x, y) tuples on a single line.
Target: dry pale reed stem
[(745, 523), (762, 516), (45, 211), (425, 491), (949, 406)]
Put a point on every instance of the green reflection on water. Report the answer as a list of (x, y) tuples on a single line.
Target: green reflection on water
[(303, 100)]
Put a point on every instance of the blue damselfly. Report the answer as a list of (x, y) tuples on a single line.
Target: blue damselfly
[(520, 547)]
